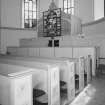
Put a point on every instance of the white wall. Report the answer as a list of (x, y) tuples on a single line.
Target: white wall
[(85, 10), (98, 9), (60, 3), (95, 32), (10, 37), (95, 28), (11, 13), (44, 6)]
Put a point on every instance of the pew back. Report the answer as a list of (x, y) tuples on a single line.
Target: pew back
[(16, 85), (66, 67), (49, 82), (72, 51)]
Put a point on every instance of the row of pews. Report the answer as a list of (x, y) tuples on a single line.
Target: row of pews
[(42, 80), (69, 52)]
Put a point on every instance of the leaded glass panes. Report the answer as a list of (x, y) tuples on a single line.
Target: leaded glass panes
[(30, 13), (68, 6)]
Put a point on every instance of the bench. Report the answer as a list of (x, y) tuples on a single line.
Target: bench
[(66, 70), (45, 77), (78, 71), (85, 64), (15, 85), (88, 68), (70, 51)]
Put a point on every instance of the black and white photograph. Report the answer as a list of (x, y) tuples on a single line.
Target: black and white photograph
[(52, 52)]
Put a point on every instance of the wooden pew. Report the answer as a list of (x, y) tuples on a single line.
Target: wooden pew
[(79, 67), (66, 67), (85, 51), (85, 66), (15, 85), (88, 68), (82, 65), (79, 71), (45, 77), (71, 51)]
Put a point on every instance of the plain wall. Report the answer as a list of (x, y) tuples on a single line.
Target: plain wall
[(11, 13), (95, 32), (86, 10), (44, 6), (94, 28)]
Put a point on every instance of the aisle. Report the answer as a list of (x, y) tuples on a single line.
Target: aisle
[(93, 94)]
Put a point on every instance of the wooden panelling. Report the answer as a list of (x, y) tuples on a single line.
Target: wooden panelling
[(63, 52), (47, 52), (71, 52)]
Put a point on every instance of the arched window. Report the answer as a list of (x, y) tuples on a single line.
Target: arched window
[(30, 13), (68, 6)]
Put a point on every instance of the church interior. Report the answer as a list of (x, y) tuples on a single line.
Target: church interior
[(52, 52)]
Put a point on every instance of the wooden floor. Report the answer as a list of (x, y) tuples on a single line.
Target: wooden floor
[(93, 94)]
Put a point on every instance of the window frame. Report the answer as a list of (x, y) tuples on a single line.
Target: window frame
[(70, 7), (30, 19)]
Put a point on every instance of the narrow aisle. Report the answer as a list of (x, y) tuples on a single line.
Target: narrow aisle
[(93, 94)]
